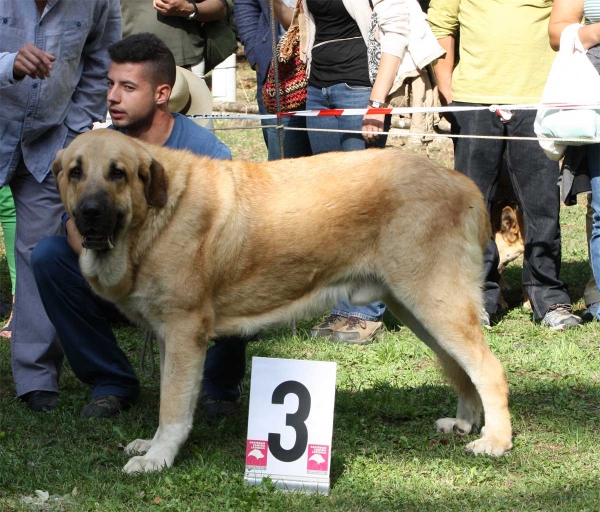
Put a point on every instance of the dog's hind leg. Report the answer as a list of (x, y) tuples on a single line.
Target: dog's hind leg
[(468, 414), (181, 375), (478, 377)]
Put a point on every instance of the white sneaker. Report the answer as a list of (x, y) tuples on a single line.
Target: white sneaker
[(560, 317)]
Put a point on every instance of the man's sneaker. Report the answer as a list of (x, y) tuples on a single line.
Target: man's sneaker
[(217, 408), (591, 312), (40, 401), (330, 325), (358, 331), (105, 406), (560, 317)]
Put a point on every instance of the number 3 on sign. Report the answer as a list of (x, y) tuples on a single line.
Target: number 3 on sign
[(290, 423), (296, 421)]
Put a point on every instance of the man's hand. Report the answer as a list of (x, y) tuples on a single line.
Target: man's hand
[(33, 62), (73, 237), (372, 123), (445, 92), (180, 8)]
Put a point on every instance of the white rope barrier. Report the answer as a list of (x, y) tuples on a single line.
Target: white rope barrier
[(500, 109), (504, 111)]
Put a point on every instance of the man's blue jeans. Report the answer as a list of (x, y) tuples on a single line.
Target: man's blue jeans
[(534, 178), (295, 142), (83, 323), (593, 161), (343, 96)]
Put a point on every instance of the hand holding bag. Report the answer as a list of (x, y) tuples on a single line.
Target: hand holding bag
[(572, 80), (293, 81)]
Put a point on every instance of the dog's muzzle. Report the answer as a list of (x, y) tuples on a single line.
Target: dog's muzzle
[(97, 221)]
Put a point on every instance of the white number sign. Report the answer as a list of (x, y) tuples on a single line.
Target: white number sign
[(290, 423)]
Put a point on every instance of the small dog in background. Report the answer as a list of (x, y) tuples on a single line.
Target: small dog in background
[(506, 217)]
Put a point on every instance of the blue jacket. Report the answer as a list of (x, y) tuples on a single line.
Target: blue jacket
[(254, 30)]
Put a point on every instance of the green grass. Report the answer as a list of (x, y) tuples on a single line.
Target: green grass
[(386, 454)]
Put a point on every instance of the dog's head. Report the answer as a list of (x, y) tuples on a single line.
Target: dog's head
[(507, 226), (107, 181)]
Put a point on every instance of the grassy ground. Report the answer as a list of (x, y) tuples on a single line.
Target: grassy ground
[(386, 455)]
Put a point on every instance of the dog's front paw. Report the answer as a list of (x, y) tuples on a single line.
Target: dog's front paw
[(456, 426), (489, 446), (138, 446), (145, 464)]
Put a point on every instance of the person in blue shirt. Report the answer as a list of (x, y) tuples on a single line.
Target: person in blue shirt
[(140, 79), (53, 63)]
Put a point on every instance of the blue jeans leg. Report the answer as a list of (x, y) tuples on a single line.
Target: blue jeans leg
[(295, 143), (343, 96), (593, 159), (225, 368), (339, 96), (82, 321)]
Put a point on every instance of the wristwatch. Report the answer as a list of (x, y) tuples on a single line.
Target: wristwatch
[(195, 13), (378, 104)]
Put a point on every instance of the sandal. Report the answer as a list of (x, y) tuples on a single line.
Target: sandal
[(6, 331)]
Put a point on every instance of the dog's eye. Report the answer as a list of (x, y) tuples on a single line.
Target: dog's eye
[(116, 173), (75, 173)]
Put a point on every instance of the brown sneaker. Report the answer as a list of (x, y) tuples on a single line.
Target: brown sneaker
[(358, 331), (331, 324)]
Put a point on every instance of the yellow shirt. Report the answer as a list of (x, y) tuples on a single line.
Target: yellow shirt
[(504, 51)]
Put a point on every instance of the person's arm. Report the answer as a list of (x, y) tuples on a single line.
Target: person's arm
[(88, 102), (74, 239), (388, 67), (283, 13), (220, 151), (443, 69), (442, 17), (394, 26), (247, 16), (207, 10), (568, 12)]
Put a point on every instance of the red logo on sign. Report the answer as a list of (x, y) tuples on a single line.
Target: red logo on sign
[(256, 453), (318, 459)]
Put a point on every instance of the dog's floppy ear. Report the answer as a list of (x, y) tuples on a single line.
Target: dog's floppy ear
[(508, 224), (57, 167), (155, 184)]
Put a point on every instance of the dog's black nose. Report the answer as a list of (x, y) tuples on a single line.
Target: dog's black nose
[(91, 211)]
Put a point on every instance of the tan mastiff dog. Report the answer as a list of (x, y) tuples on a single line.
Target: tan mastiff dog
[(194, 248)]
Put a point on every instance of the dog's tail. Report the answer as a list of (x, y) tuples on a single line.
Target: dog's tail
[(478, 221), (478, 234)]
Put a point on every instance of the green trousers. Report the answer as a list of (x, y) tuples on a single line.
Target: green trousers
[(8, 220)]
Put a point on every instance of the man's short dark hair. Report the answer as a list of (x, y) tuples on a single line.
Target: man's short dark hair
[(146, 48)]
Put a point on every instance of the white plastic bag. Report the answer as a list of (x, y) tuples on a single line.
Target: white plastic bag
[(573, 79)]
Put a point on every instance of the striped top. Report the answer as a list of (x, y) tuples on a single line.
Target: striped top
[(591, 11)]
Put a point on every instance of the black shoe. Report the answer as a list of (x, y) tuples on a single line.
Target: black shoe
[(590, 313), (40, 401), (105, 406), (217, 408)]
